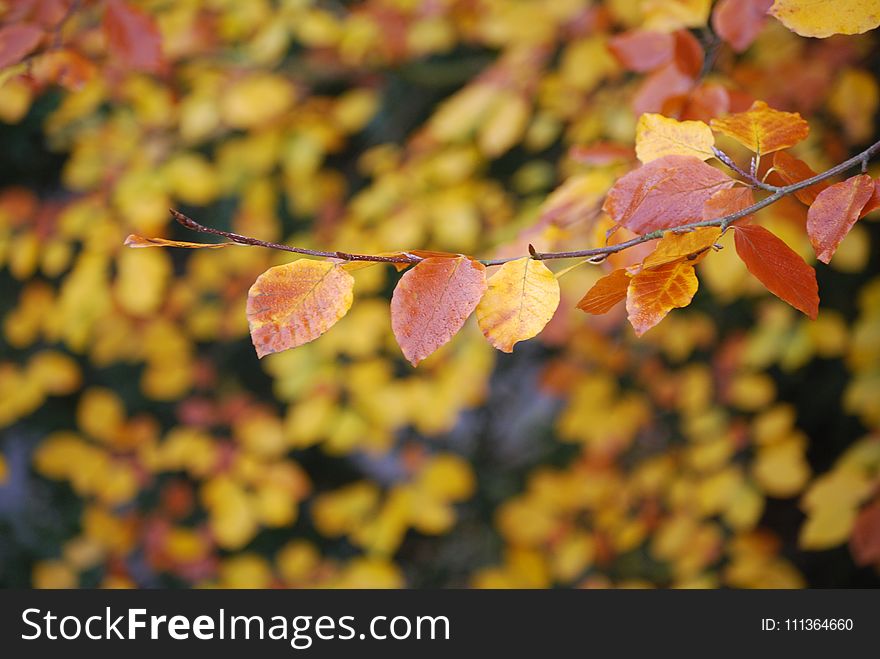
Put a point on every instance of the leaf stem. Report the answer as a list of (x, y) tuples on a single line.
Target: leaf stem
[(724, 222)]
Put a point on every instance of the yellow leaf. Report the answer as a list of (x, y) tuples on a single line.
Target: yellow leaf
[(688, 246), (822, 18), (521, 299), (256, 100), (854, 102), (781, 468), (671, 15), (826, 528), (292, 304), (658, 136)]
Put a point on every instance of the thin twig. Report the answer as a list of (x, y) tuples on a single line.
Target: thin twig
[(723, 223), (748, 176)]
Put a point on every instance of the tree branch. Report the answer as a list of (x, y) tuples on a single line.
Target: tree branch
[(724, 222)]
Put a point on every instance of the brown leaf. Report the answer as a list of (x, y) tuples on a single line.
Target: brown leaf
[(295, 303), (778, 267), (835, 211), (664, 193), (432, 301)]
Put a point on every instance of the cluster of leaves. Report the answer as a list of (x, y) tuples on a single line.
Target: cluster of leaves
[(631, 136)]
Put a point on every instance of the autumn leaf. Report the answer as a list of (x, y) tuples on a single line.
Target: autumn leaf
[(778, 267), (658, 136), (295, 303), (865, 540), (664, 193), (136, 241), (674, 14), (17, 41), (835, 211), (642, 50), (692, 246), (432, 301), (654, 292), (788, 169), (822, 18), (520, 300), (874, 202), (727, 202), (739, 22), (132, 37), (762, 129), (606, 293)]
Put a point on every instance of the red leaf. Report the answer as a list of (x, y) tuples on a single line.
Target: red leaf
[(605, 293), (874, 201), (664, 193), (788, 169), (727, 202), (432, 301), (834, 213), (641, 50), (132, 37), (17, 41), (739, 22), (601, 154), (778, 267), (864, 543), (660, 87)]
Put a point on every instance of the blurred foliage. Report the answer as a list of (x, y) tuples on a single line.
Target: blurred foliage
[(736, 444)]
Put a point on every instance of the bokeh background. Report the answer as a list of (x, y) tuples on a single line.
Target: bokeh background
[(143, 444)]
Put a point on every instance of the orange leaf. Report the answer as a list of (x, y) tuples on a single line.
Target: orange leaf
[(605, 293), (677, 246), (778, 267), (787, 169), (521, 299), (432, 301), (17, 41), (865, 540), (658, 136), (739, 22), (139, 241), (834, 213), (689, 53), (665, 193), (727, 202), (295, 303), (132, 37), (654, 292), (762, 129), (642, 50)]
